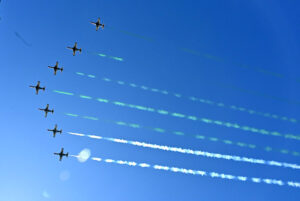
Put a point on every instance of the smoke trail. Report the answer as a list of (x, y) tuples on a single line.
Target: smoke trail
[(192, 152), (201, 119), (211, 57), (200, 172), (218, 59), (62, 92), (106, 56), (195, 99), (180, 133)]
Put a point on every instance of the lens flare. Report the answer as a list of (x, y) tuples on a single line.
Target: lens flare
[(84, 155)]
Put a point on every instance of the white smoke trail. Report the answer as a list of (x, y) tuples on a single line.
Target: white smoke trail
[(201, 173), (193, 152)]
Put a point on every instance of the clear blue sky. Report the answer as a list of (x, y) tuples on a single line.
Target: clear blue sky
[(240, 59)]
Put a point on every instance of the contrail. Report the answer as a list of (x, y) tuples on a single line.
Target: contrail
[(22, 39), (194, 118), (181, 133), (192, 152), (193, 98), (200, 172)]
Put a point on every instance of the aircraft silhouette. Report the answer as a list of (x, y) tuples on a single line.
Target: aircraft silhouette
[(37, 88), (56, 68), (98, 24), (74, 48), (62, 154), (55, 130), (46, 110)]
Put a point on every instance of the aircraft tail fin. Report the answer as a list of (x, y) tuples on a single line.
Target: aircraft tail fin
[(80, 50), (67, 154), (52, 111), (62, 69)]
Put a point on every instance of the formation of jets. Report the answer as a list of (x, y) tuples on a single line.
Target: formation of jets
[(56, 68)]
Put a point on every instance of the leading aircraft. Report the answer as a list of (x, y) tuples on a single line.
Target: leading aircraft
[(74, 48), (62, 154), (98, 24), (56, 68), (37, 88), (55, 130), (46, 110)]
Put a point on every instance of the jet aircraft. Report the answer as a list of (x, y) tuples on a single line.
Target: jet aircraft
[(62, 154), (56, 68), (46, 110), (98, 24), (55, 130), (74, 48), (37, 88)]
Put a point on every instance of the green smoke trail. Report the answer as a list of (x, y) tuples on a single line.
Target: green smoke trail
[(116, 58), (62, 92), (111, 57), (210, 57), (181, 133), (195, 99), (106, 56), (218, 59), (194, 118), (292, 102)]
